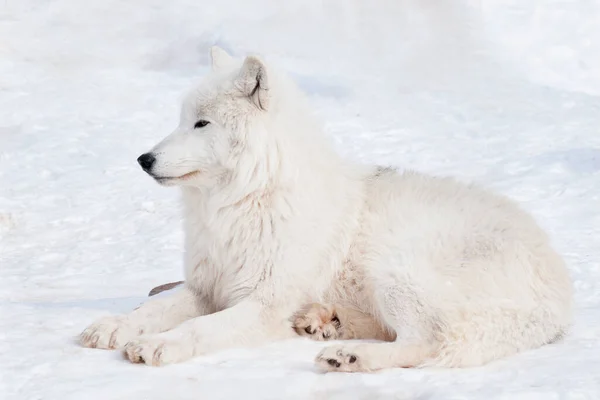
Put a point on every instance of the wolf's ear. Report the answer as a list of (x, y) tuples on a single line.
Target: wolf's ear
[(219, 58), (253, 82)]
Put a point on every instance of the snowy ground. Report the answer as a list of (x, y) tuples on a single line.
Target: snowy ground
[(505, 93)]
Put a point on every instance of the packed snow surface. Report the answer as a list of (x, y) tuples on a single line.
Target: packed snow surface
[(505, 93)]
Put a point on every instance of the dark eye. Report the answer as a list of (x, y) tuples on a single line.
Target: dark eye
[(201, 124)]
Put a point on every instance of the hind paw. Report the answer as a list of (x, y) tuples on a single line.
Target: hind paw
[(318, 322), (339, 359)]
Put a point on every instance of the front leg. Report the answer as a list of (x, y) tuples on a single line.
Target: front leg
[(156, 315), (248, 323)]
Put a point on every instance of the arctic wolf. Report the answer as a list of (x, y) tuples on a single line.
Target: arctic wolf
[(278, 226)]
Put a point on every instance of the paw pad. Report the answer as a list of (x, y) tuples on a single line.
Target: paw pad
[(339, 358), (333, 363)]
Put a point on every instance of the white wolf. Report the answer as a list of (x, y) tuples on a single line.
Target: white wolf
[(451, 274)]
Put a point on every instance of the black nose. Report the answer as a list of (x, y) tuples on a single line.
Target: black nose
[(146, 161)]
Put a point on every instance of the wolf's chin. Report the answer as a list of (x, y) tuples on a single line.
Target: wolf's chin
[(166, 181), (173, 181)]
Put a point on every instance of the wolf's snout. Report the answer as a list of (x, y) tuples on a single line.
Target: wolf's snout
[(146, 161)]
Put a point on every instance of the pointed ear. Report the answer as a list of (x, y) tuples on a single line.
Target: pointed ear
[(253, 82), (220, 58)]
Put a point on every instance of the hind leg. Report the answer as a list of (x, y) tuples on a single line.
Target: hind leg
[(403, 310), (414, 345), (373, 356)]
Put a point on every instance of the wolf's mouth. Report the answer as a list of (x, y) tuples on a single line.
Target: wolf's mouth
[(172, 179)]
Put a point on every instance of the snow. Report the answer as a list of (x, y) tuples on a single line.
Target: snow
[(504, 93)]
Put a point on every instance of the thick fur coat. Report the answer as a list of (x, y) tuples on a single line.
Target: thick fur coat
[(452, 274)]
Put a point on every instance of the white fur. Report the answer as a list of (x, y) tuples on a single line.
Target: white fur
[(274, 219)]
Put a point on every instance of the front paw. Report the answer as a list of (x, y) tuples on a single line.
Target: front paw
[(156, 350), (318, 322), (109, 333)]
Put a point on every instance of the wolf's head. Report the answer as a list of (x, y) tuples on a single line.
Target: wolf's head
[(225, 127)]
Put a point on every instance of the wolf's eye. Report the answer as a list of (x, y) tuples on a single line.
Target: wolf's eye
[(201, 124)]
